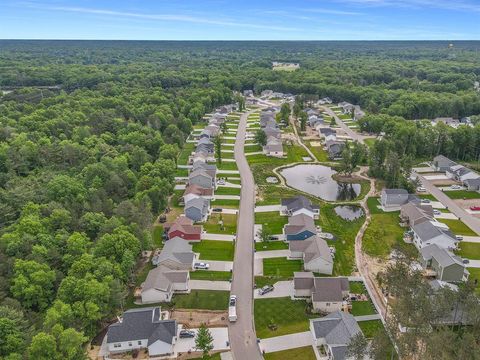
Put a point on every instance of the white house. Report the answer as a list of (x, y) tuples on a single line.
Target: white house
[(427, 233)]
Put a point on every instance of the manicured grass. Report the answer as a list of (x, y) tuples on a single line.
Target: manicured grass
[(228, 141), (370, 142), (462, 194), (458, 227), (270, 245), (362, 308), (229, 224), (228, 155), (357, 287), (157, 232), (469, 250), (288, 315), (181, 173), (227, 165), (373, 203), (215, 250), (225, 203), (210, 275), (272, 194), (281, 267), (318, 151), (428, 196), (474, 275), (271, 221), (223, 190), (185, 153), (371, 327), (382, 234), (303, 353), (345, 232), (254, 148), (202, 299)]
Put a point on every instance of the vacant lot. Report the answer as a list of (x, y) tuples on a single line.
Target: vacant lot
[(303, 353), (202, 299), (281, 267), (462, 194), (215, 250), (270, 245), (229, 224), (211, 275), (271, 221)]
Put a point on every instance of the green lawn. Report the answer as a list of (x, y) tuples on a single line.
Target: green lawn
[(362, 308), (157, 232), (281, 267), (270, 245), (345, 232), (303, 353), (211, 275), (227, 165), (357, 287), (462, 194), (228, 155), (474, 275), (272, 194), (318, 151), (225, 203), (187, 149), (371, 327), (202, 299), (228, 141), (373, 204), (469, 250), (222, 190), (271, 221), (215, 250), (458, 227), (254, 148), (288, 315), (369, 142), (229, 224), (181, 173)]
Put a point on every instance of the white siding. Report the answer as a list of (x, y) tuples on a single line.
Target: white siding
[(154, 296), (160, 348)]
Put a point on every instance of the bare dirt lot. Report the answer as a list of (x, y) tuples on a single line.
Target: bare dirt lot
[(195, 318)]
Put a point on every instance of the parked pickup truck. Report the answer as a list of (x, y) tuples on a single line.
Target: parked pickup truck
[(232, 308)]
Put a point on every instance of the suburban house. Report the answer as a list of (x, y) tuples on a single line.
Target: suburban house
[(314, 120), (429, 232), (415, 213), (197, 209), (328, 294), (327, 132), (461, 173), (442, 163), (204, 144), (201, 178), (393, 199), (272, 131), (210, 169), (472, 184), (325, 100), (266, 93), (176, 254), (447, 121), (299, 227), (183, 228), (442, 264), (142, 329), (334, 149), (332, 334), (315, 254), (161, 283), (273, 147), (201, 156), (247, 93), (299, 205), (194, 191)]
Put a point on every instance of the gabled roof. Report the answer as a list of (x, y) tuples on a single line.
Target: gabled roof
[(302, 280), (178, 250), (443, 161), (426, 231), (197, 190), (443, 257), (161, 278), (337, 328), (199, 172), (417, 213), (185, 225), (198, 203), (299, 202), (317, 248), (329, 289), (141, 324), (299, 223)]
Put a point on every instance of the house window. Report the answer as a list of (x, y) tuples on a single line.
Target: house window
[(327, 304), (117, 345), (139, 342), (130, 344)]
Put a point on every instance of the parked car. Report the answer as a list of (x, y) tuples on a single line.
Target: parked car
[(266, 289), (217, 210), (273, 238), (425, 201), (201, 266), (437, 212), (459, 237), (421, 189), (221, 182), (187, 334), (475, 208), (466, 261), (455, 187)]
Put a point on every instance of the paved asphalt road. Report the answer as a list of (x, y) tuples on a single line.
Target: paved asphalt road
[(243, 340), (470, 220), (352, 133)]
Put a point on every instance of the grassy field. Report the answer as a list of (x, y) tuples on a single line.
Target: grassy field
[(462, 194), (357, 287), (458, 227), (289, 317), (210, 275), (369, 142), (281, 267), (303, 353), (345, 232), (185, 153), (469, 250), (223, 190), (215, 250), (229, 224), (475, 275), (318, 151), (362, 308), (202, 299), (272, 194), (271, 221), (371, 327), (227, 165), (270, 245), (383, 232)]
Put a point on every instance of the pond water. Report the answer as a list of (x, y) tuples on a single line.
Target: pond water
[(317, 180), (349, 212)]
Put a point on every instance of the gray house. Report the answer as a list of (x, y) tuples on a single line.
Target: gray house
[(299, 227), (161, 283), (442, 264), (393, 199), (334, 149), (142, 329), (177, 254), (197, 209), (413, 214), (442, 163), (428, 233), (201, 178), (315, 254), (299, 205), (333, 333), (327, 294)]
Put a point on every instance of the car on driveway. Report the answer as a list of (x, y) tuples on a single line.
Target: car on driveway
[(221, 182), (437, 212), (421, 189), (425, 201), (217, 210), (475, 208), (201, 266), (466, 261), (455, 187), (186, 334), (459, 237), (266, 289)]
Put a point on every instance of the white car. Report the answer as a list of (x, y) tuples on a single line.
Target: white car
[(455, 187), (436, 212), (421, 189), (201, 266), (221, 182)]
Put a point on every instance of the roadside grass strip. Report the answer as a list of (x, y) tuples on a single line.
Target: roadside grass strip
[(302, 353), (210, 275)]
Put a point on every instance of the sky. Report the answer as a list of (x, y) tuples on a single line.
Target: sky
[(241, 19)]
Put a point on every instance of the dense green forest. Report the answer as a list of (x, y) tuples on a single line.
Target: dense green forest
[(90, 131)]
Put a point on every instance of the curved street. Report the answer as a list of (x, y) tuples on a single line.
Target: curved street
[(243, 340)]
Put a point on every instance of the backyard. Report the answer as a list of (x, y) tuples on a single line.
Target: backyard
[(469, 250), (215, 250), (271, 222), (229, 224)]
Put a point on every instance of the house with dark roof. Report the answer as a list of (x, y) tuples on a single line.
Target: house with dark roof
[(332, 335), (176, 254), (472, 184), (328, 294), (273, 147), (162, 283), (430, 232), (442, 163), (183, 228), (142, 329), (299, 227), (299, 205), (442, 264), (315, 254), (334, 149)]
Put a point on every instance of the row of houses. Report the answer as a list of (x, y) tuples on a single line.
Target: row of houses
[(333, 146), (270, 94), (454, 123), (354, 110), (434, 240), (269, 126), (469, 178)]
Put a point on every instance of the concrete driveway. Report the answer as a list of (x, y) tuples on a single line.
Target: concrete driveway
[(446, 216), (473, 239), (209, 285), (473, 264), (220, 338), (227, 197), (368, 317), (437, 205), (436, 177), (218, 237), (286, 342), (216, 265), (267, 208), (258, 267), (231, 185), (280, 289), (272, 254), (228, 172)]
